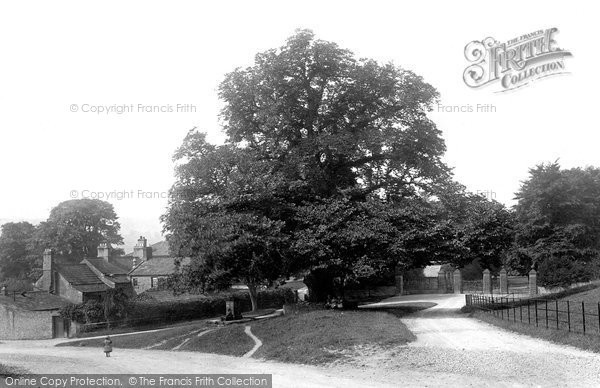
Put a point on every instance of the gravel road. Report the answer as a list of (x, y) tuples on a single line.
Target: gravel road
[(450, 350)]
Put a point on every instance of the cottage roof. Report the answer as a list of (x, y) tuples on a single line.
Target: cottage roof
[(34, 301), (78, 274)]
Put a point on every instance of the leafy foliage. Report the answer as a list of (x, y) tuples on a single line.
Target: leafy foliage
[(331, 165), (17, 259), (76, 227), (558, 216)]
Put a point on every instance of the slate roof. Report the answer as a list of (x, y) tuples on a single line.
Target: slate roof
[(158, 266), (108, 267), (34, 301), (123, 261), (78, 274)]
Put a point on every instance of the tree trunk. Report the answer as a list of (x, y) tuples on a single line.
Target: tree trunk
[(253, 296)]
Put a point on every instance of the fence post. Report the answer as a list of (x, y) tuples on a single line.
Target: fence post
[(532, 282), (583, 315), (503, 281), (502, 308), (569, 315), (556, 314), (528, 313), (546, 313), (536, 313), (520, 311), (598, 317)]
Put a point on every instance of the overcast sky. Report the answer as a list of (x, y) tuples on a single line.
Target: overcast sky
[(57, 57)]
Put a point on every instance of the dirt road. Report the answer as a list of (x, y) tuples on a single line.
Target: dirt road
[(450, 350), (451, 343)]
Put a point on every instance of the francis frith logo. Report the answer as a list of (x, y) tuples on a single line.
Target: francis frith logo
[(514, 63)]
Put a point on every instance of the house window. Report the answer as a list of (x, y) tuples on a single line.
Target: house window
[(154, 282), (134, 282)]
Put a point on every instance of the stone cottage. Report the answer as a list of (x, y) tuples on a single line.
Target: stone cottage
[(153, 265), (31, 315)]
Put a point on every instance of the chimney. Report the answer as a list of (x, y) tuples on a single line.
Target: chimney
[(103, 251), (47, 270), (140, 251)]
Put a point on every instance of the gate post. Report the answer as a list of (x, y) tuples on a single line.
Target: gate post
[(487, 282), (533, 282), (503, 281), (442, 286), (457, 281), (399, 283)]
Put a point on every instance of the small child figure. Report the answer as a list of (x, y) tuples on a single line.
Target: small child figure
[(107, 346)]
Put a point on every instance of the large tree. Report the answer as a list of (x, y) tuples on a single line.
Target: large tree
[(76, 227), (338, 152), (558, 223), (17, 260)]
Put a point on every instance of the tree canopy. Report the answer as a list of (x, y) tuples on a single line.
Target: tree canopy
[(76, 227), (558, 222), (331, 163)]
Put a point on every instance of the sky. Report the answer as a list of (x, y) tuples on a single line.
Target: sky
[(65, 65)]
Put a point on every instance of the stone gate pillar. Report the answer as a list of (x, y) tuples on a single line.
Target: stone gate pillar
[(487, 282), (503, 281), (399, 283), (533, 282), (442, 285), (457, 278)]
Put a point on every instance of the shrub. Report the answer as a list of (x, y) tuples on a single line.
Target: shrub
[(561, 271), (88, 312)]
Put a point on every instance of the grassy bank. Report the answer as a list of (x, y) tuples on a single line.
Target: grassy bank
[(6, 371), (587, 342), (312, 337), (562, 313)]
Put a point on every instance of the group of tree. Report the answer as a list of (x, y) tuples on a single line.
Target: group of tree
[(558, 224), (331, 168), (73, 231)]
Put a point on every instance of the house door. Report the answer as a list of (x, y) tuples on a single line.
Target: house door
[(60, 327)]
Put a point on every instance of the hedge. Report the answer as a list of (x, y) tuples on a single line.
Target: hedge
[(209, 307), (140, 312)]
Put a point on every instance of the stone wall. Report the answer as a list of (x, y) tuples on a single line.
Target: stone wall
[(144, 283), (22, 324)]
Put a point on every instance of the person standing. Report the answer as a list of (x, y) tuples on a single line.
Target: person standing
[(107, 346)]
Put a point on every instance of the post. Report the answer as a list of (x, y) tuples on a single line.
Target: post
[(520, 311), (536, 313), (399, 283), (569, 315), (457, 278), (503, 281), (487, 282), (556, 300), (546, 313), (583, 315), (528, 313), (442, 285), (533, 282)]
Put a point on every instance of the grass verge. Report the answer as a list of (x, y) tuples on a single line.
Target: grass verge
[(312, 337), (320, 337), (9, 371)]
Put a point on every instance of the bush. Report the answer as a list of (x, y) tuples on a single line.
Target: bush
[(88, 312), (561, 271)]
